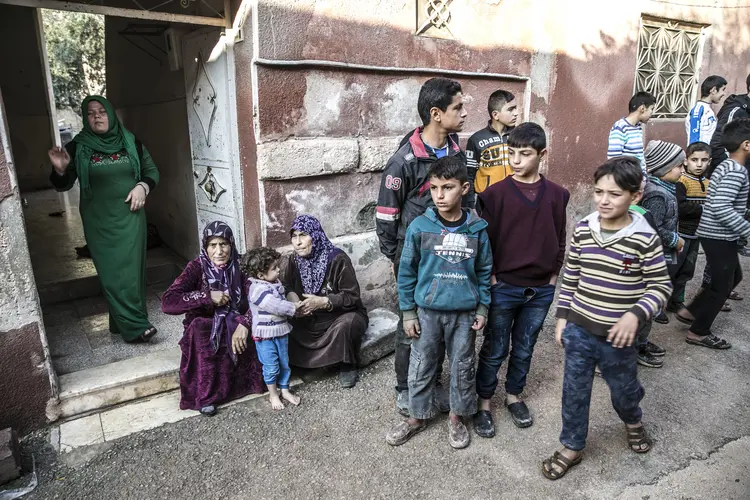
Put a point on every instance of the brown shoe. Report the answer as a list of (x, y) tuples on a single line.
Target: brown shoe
[(402, 432)]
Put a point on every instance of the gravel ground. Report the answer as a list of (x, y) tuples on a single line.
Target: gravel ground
[(697, 409)]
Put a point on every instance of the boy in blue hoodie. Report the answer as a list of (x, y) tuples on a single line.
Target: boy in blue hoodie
[(444, 294)]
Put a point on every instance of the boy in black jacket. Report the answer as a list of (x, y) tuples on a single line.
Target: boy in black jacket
[(405, 194)]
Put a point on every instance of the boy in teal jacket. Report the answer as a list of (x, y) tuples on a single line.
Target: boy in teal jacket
[(444, 294)]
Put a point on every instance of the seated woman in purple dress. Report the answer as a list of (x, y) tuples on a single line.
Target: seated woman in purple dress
[(331, 320), (218, 364)]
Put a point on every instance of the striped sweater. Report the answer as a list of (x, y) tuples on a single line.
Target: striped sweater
[(626, 140), (269, 309), (603, 280), (724, 210)]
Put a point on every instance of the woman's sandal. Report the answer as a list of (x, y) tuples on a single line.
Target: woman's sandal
[(711, 341), (637, 437), (735, 296), (560, 461), (726, 307), (144, 337)]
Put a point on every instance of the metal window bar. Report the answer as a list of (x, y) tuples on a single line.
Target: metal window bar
[(668, 64)]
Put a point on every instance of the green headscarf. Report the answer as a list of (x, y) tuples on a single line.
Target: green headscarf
[(112, 141)]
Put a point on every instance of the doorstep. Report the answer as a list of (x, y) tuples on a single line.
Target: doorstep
[(136, 416), (114, 383)]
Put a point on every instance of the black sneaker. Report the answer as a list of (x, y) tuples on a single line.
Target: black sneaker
[(484, 426), (645, 358), (402, 402), (654, 349), (520, 414), (674, 307), (661, 318), (441, 398)]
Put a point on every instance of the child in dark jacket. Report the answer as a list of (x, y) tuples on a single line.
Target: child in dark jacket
[(691, 191), (664, 166), (444, 294)]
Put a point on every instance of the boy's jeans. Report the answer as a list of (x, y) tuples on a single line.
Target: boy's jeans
[(583, 351), (441, 331), (273, 354), (516, 317)]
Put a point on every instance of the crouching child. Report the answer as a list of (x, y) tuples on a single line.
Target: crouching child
[(615, 280), (444, 295)]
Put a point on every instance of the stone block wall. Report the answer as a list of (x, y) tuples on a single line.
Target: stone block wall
[(27, 382)]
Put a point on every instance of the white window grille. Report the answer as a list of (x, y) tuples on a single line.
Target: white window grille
[(669, 54)]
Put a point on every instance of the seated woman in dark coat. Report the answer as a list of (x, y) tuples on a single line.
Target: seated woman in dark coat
[(331, 320), (218, 364)]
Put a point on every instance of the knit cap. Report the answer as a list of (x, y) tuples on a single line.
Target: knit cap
[(661, 157)]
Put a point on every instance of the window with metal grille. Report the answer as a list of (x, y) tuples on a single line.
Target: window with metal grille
[(669, 54)]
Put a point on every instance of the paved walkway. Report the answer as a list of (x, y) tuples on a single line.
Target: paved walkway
[(697, 408)]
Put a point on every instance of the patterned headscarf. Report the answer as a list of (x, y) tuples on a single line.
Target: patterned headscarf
[(226, 278), (312, 269)]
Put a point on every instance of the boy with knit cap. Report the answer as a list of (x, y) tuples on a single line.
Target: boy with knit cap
[(664, 167)]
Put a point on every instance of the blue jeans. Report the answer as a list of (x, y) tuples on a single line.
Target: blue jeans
[(516, 317), (441, 331), (273, 354), (583, 351)]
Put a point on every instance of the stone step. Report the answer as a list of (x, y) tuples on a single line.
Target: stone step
[(162, 267), (108, 385), (379, 340)]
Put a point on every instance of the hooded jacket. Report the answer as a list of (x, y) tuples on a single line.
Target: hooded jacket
[(445, 270), (735, 106), (405, 191), (604, 279)]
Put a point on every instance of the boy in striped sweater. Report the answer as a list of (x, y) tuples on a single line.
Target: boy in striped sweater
[(270, 329), (615, 280), (722, 224), (626, 135)]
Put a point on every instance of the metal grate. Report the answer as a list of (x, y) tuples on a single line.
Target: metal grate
[(433, 18), (668, 64)]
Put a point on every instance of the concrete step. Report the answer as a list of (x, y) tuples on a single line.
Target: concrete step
[(162, 266), (108, 385), (380, 338)]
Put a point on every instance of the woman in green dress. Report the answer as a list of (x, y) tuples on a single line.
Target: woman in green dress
[(115, 174)]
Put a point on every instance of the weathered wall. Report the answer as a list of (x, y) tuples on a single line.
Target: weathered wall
[(27, 383), (22, 82), (151, 103), (324, 134)]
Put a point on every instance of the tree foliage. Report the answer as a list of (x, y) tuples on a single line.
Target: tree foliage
[(75, 50)]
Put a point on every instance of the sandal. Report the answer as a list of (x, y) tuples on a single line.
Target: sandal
[(560, 461), (711, 341), (637, 437), (726, 307), (144, 337), (735, 296)]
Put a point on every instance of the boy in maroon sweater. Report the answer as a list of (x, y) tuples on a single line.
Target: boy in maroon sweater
[(526, 217)]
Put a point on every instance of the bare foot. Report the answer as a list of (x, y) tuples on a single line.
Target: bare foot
[(288, 396), (276, 403)]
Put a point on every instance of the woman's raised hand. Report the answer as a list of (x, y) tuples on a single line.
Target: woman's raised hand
[(59, 158), (219, 298)]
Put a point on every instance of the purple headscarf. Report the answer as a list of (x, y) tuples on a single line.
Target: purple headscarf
[(227, 279), (312, 269)]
